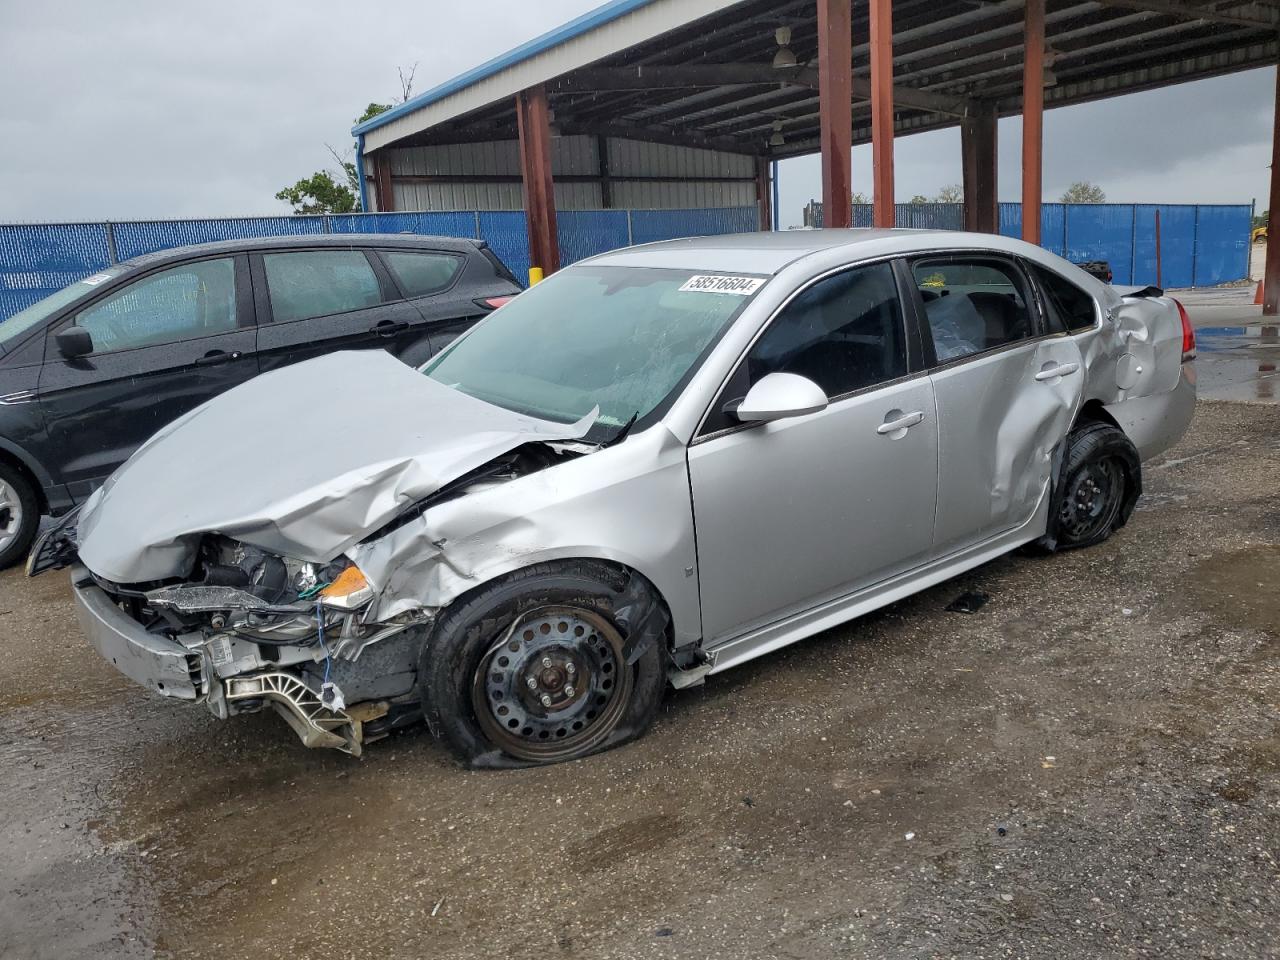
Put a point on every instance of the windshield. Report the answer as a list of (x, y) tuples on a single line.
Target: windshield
[(619, 338), (41, 310)]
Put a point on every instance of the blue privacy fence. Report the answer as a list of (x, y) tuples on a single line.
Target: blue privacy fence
[(38, 258), (1201, 245)]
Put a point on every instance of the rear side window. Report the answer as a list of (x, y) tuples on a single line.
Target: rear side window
[(421, 273), (316, 283), (1069, 307), (972, 304), (181, 303)]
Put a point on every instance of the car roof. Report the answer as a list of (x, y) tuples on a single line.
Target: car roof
[(305, 241), (769, 252)]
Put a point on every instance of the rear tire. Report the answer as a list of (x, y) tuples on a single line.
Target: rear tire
[(1097, 488), (556, 687), (19, 515)]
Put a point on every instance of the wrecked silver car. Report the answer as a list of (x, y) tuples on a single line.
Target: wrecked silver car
[(655, 465)]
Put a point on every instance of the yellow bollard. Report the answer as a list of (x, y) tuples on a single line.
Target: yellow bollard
[(535, 275)]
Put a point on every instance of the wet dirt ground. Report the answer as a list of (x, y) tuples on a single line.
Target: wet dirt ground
[(1088, 766)]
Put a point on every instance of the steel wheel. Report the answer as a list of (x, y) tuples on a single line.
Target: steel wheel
[(555, 684), (11, 516), (1092, 500)]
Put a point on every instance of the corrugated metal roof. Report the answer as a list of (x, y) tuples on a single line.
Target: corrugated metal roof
[(575, 44)]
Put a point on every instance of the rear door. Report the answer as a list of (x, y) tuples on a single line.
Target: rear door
[(432, 281), (163, 343), (312, 302), (1007, 391)]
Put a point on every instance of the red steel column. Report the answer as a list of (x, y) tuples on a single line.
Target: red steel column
[(978, 150), (382, 177), (1032, 120), (835, 109), (882, 214), (1271, 272), (534, 124), (764, 193)]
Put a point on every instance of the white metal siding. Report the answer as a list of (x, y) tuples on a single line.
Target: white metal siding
[(643, 24), (640, 195), (634, 158), (571, 156)]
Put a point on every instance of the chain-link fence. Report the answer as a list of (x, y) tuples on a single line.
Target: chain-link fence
[(38, 258), (1201, 245)]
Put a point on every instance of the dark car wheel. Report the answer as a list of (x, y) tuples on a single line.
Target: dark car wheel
[(532, 669), (19, 515), (1097, 488)]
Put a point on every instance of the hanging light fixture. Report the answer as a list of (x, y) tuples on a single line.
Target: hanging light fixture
[(784, 57), (777, 139)]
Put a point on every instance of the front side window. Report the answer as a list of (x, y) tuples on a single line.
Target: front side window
[(181, 303), (24, 320), (844, 333), (317, 283), (1069, 307), (420, 274), (623, 339), (972, 305)]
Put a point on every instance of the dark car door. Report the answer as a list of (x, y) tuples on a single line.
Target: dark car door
[(439, 286), (312, 302), (163, 343)]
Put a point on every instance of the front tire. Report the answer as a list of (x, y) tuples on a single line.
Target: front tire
[(532, 669), (19, 515), (1097, 488)]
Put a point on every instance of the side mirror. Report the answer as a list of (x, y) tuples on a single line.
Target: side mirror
[(781, 395), (74, 342)]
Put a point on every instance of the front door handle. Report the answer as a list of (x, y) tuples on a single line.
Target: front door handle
[(897, 422), (1052, 371), (217, 356), (389, 328)]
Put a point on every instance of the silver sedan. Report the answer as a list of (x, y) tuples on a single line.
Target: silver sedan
[(656, 465)]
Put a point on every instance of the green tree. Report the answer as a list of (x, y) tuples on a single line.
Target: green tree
[(859, 198), (951, 193), (1082, 191), (919, 198), (328, 191), (320, 193)]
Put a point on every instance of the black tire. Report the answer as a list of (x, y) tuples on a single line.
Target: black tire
[(581, 613), (19, 517), (1097, 487)]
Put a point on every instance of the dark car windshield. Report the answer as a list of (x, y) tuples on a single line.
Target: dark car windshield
[(41, 310), (619, 338)]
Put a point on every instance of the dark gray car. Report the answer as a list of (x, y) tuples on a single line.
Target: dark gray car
[(90, 372)]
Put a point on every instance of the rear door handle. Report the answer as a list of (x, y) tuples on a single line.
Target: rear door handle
[(217, 356), (389, 328), (900, 421), (1057, 370)]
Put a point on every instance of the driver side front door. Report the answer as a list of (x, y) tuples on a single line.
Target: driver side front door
[(797, 512)]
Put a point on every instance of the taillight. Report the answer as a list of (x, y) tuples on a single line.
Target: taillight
[(493, 303), (1188, 333)]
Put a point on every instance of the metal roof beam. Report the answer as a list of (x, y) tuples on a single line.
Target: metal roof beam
[(742, 74), (1242, 15), (667, 135)]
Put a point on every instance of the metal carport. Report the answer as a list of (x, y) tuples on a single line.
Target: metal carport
[(718, 89)]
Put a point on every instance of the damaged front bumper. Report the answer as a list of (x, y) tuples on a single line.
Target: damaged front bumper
[(151, 659), (233, 675)]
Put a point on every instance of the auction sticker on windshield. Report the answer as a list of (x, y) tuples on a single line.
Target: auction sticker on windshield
[(741, 286)]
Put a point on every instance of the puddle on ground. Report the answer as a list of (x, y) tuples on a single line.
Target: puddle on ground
[(1239, 363), (1242, 587)]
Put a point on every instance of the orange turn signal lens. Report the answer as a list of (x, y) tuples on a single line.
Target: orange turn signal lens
[(349, 581)]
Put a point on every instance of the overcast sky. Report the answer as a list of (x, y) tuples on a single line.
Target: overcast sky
[(158, 109)]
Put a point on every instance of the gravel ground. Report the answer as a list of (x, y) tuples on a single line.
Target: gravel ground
[(1089, 766)]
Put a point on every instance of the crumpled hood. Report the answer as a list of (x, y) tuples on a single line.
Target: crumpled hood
[(303, 462)]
